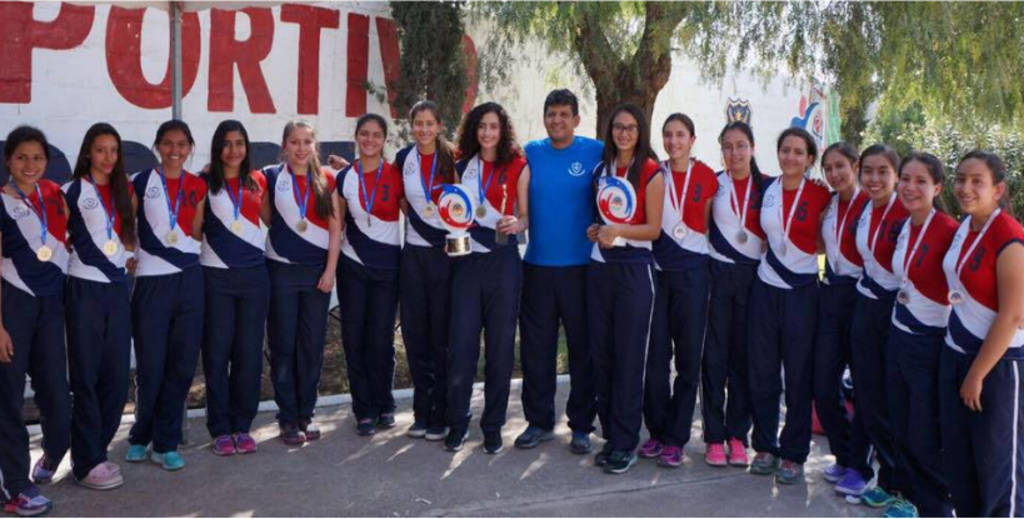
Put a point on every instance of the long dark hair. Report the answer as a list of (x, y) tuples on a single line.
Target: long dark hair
[(743, 128), (793, 131), (935, 170), (443, 149), (118, 178), (469, 145), (885, 151), (374, 118), (23, 134), (171, 125), (321, 197), (997, 168), (643, 143), (220, 135), (843, 148)]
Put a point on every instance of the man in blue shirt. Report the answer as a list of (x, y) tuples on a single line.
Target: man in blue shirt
[(561, 201)]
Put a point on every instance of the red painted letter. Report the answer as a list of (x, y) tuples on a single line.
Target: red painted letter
[(226, 51), (389, 56), (358, 64), (20, 33), (311, 20), (124, 58), (471, 80)]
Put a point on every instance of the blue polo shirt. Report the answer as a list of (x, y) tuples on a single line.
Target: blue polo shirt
[(561, 201)]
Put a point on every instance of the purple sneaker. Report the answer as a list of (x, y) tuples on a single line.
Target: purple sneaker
[(244, 444), (852, 484), (671, 456), (651, 448), (28, 503), (834, 472), (223, 446), (43, 470)]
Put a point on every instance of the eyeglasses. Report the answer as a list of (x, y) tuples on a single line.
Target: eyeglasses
[(622, 128)]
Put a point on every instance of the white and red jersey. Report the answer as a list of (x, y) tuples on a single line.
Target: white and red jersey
[(839, 233), (156, 254), (970, 320), (223, 247), (877, 230), (735, 200), (687, 194), (21, 229), (91, 206), (917, 260), (286, 243), (423, 228), (634, 251), (371, 217), (791, 222), (498, 182)]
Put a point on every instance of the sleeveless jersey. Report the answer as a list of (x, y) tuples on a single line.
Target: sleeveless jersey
[(371, 218), (285, 243), (420, 229), (87, 229), (927, 305), (791, 258), (21, 230), (498, 182), (843, 262), (634, 251), (725, 228), (223, 247), (877, 230), (156, 255), (670, 252)]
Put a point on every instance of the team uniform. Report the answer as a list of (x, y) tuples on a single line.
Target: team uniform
[(237, 298), (99, 329), (485, 294), (33, 315), (912, 359), (620, 301), (167, 305), (981, 450), (368, 283), (297, 244), (682, 284), (786, 296), (554, 281), (877, 231), (424, 290), (735, 238), (837, 295)]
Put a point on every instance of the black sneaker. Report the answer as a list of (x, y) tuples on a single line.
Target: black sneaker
[(456, 439), (365, 427), (580, 443), (492, 443), (416, 430), (532, 437), (601, 458), (386, 420), (619, 462)]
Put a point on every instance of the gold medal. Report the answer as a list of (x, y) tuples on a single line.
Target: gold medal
[(110, 248), (301, 226), (429, 210), (44, 253), (236, 227), (172, 237), (481, 211)]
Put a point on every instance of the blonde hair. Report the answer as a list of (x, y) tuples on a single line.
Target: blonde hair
[(317, 181)]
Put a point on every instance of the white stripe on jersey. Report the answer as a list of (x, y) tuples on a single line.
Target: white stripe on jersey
[(30, 228), (671, 216), (929, 312), (793, 258), (412, 177), (154, 204), (872, 268), (94, 215), (729, 223), (287, 206), (469, 182), (10, 275), (378, 230), (223, 209), (841, 265)]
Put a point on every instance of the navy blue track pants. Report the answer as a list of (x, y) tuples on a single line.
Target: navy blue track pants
[(424, 293)]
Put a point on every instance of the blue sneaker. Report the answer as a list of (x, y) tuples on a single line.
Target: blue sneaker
[(30, 502), (901, 508), (852, 484), (169, 461), (834, 472), (136, 453), (532, 437), (44, 470), (877, 497), (580, 443)]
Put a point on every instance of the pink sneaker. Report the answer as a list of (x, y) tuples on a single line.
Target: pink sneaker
[(223, 446), (102, 477), (671, 457), (651, 448), (244, 444), (715, 455), (738, 453)]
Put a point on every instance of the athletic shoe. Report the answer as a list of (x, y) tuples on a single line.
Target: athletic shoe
[(493, 443), (715, 455), (30, 502), (789, 473), (877, 497), (738, 453), (651, 449), (104, 476), (436, 434), (601, 458), (901, 508), (244, 443), (580, 443), (852, 484), (386, 420), (764, 464), (834, 473), (43, 470), (456, 439), (223, 445), (310, 429), (532, 437), (416, 430), (619, 462), (671, 456), (365, 427), (112, 467), (291, 435), (169, 460), (136, 453)]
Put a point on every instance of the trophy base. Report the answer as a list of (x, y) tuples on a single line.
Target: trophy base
[(457, 245)]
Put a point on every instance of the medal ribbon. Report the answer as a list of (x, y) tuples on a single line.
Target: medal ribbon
[(236, 200), (369, 199), (109, 211), (39, 214), (962, 262), (480, 180), (301, 199), (796, 203), (873, 239), (738, 210), (680, 203), (907, 263), (842, 225), (429, 189), (172, 213)]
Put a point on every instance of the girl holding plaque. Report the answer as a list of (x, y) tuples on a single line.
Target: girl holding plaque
[(302, 258), (167, 300), (371, 193), (877, 230), (785, 295), (838, 294), (101, 226), (485, 283), (620, 281), (736, 241), (237, 290), (916, 337), (681, 295), (980, 390), (33, 221), (424, 290)]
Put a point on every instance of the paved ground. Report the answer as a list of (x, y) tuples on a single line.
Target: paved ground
[(391, 475)]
